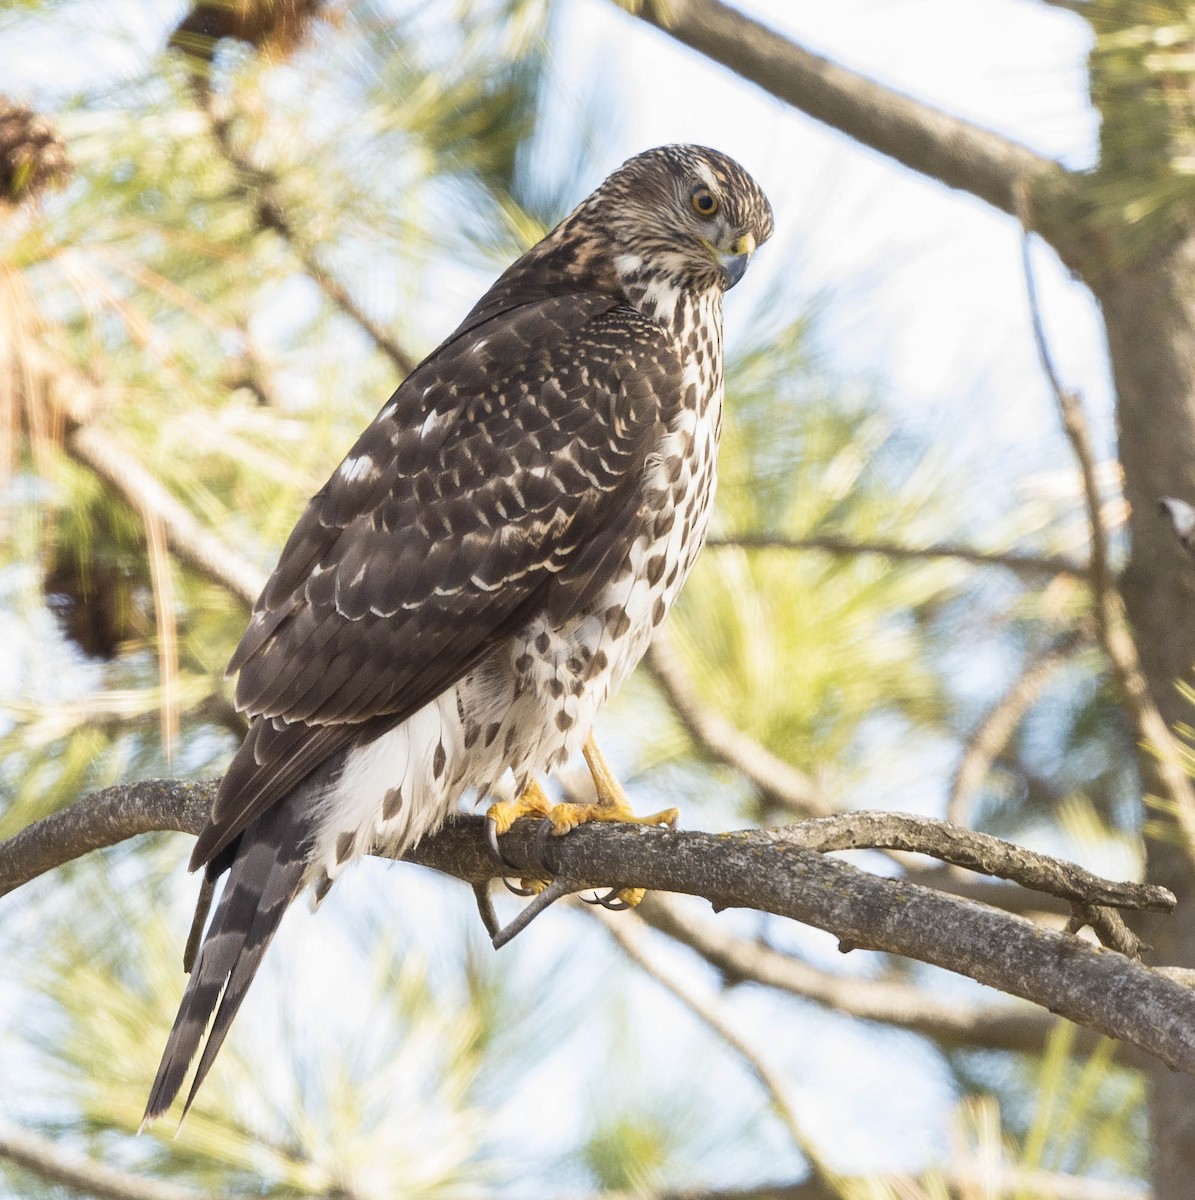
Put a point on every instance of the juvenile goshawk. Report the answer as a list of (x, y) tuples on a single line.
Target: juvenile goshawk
[(485, 566)]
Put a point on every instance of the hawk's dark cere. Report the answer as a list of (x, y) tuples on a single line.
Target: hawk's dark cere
[(486, 566)]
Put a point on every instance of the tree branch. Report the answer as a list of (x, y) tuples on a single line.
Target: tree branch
[(188, 538), (1022, 563), (780, 783), (1000, 723), (74, 400), (627, 932), (975, 851), (271, 214), (104, 818), (923, 138), (1110, 615), (808, 1189), (952, 1024), (964, 1182), (1092, 899), (768, 870), (43, 1158)]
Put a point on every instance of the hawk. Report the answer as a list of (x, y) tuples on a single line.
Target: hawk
[(484, 568)]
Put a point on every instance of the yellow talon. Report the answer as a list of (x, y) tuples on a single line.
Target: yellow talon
[(532, 803), (611, 804), (568, 816), (503, 814)]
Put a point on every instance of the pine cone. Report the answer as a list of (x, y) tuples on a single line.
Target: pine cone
[(93, 604), (275, 26), (32, 156)]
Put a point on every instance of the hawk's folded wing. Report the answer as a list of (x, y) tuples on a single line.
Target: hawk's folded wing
[(496, 483)]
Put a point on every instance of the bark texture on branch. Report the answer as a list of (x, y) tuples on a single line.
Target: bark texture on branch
[(767, 870), (948, 1021), (977, 852)]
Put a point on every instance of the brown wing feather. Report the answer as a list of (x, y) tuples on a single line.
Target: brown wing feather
[(500, 478)]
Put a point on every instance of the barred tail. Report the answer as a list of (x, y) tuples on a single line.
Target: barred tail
[(265, 877)]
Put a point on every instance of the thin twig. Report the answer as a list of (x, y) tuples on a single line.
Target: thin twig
[(1110, 616), (271, 214), (1000, 722), (949, 1022), (251, 372), (1074, 422), (976, 851), (191, 541), (41, 1157), (1108, 925), (627, 931), (1021, 562), (780, 783)]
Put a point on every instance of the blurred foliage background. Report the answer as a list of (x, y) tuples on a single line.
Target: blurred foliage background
[(218, 256)]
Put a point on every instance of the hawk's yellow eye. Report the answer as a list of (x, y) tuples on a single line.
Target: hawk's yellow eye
[(704, 202)]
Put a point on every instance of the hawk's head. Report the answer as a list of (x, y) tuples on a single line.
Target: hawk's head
[(686, 213)]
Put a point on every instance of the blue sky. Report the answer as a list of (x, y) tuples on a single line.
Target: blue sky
[(922, 286)]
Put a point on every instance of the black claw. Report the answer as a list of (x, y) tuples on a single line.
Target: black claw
[(491, 837), (611, 901), (602, 900), (518, 891)]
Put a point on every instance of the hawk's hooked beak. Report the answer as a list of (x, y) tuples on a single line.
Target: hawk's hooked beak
[(734, 259)]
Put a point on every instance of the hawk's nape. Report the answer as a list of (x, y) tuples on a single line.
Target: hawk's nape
[(486, 565)]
